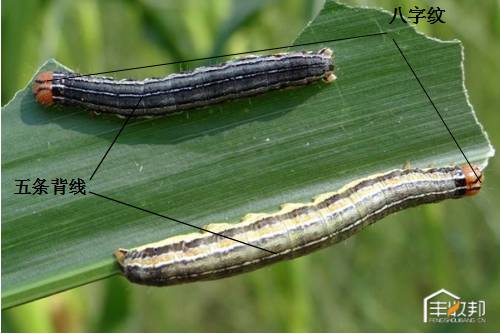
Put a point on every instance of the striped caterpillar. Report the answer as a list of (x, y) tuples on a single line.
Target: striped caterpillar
[(201, 87), (295, 230)]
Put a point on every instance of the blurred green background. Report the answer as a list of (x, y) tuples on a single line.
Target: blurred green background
[(374, 281)]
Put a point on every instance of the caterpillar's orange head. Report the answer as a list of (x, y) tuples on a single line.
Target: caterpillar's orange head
[(473, 179), (42, 88)]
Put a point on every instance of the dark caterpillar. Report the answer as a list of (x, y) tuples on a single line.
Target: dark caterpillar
[(203, 86)]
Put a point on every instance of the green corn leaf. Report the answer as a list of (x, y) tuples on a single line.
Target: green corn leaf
[(218, 163)]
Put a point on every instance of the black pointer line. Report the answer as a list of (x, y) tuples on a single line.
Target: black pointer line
[(220, 56), (437, 111), (178, 221), (116, 137)]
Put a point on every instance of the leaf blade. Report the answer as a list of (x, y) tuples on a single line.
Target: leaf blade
[(216, 164)]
